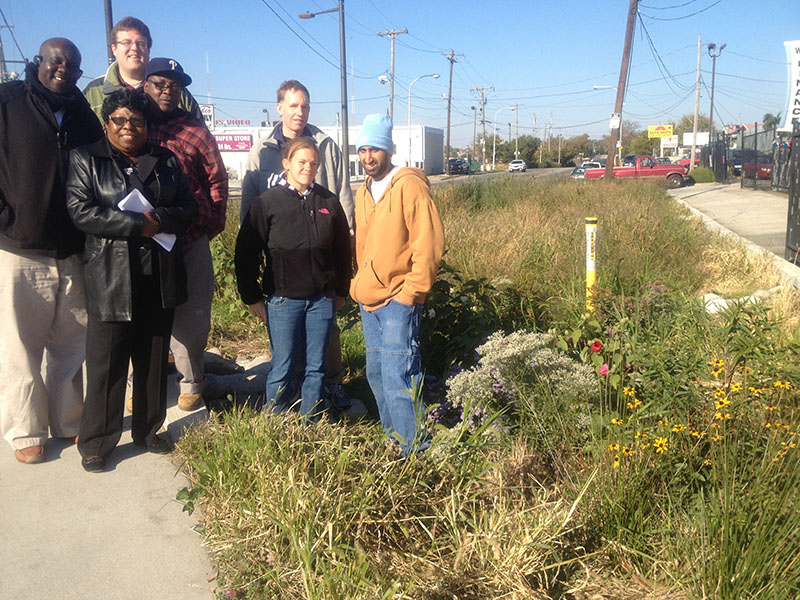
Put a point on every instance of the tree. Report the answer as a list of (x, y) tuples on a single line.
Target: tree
[(686, 124), (771, 121)]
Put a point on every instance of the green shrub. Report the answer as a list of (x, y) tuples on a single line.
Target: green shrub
[(702, 175)]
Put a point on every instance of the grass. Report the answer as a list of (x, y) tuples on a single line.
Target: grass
[(676, 478)]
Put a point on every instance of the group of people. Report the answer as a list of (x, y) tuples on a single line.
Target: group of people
[(108, 201)]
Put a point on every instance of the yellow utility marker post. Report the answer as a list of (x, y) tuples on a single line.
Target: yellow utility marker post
[(591, 254)]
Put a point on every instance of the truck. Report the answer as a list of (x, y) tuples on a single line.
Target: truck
[(644, 165)]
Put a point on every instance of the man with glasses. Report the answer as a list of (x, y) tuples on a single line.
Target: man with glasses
[(131, 48), (42, 303), (189, 139)]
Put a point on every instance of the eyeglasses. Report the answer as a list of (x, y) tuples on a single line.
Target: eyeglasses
[(135, 122), (163, 86), (140, 45)]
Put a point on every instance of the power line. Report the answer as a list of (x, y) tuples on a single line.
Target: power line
[(685, 16), (669, 7), (13, 37)]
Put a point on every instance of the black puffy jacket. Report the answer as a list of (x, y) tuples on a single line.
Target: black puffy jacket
[(95, 186)]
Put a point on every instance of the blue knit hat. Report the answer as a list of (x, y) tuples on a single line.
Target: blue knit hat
[(376, 132)]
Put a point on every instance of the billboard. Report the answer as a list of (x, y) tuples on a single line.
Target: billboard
[(208, 115), (793, 102), (659, 131), (234, 142), (702, 138)]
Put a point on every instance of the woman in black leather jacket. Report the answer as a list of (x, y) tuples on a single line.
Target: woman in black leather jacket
[(132, 282)]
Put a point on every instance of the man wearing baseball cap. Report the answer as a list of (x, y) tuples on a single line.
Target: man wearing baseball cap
[(399, 245), (189, 139)]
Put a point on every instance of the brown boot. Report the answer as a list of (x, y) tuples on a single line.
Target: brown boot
[(30, 455), (189, 402)]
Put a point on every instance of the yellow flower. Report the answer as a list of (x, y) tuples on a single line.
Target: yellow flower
[(613, 447), (720, 416), (677, 428), (616, 461), (787, 385), (770, 407), (636, 403), (640, 434), (721, 403), (716, 373), (629, 391), (715, 425), (664, 423), (715, 363), (627, 451), (716, 437), (736, 387), (697, 434), (616, 421), (643, 445), (660, 445), (707, 462)]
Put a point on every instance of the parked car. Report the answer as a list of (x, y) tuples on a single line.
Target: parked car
[(630, 160), (589, 164), (684, 162), (517, 165), (761, 168), (663, 160), (645, 165), (578, 172), (459, 166), (735, 161)]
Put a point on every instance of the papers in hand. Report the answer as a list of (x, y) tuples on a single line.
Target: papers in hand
[(136, 202)]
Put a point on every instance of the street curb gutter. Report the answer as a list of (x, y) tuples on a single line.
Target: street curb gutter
[(789, 273)]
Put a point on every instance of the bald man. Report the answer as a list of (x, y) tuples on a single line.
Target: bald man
[(42, 311)]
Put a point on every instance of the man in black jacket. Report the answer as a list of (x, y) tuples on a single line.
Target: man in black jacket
[(42, 306)]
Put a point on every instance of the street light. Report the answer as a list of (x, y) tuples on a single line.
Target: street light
[(345, 147), (494, 141), (435, 76), (711, 52)]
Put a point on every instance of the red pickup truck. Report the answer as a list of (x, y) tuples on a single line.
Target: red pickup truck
[(645, 165)]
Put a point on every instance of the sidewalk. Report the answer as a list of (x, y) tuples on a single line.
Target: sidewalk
[(757, 217), (118, 535)]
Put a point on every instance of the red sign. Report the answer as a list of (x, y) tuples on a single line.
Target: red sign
[(234, 142)]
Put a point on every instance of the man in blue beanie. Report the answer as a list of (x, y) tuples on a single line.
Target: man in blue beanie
[(399, 245)]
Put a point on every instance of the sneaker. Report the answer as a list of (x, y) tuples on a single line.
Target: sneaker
[(189, 402), (30, 455), (338, 397)]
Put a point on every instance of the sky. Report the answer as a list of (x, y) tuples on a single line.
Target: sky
[(544, 56)]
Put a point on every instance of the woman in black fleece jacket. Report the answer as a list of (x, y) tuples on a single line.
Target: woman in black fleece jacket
[(302, 231)]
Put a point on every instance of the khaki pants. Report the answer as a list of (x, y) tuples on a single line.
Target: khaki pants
[(42, 347), (193, 318)]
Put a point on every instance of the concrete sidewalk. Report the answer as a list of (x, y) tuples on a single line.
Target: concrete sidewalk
[(118, 535), (757, 217)]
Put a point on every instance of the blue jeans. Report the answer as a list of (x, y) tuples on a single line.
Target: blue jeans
[(290, 323), (391, 334)]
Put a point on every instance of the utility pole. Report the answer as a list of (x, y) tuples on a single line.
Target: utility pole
[(474, 128), (109, 27), (482, 91), (516, 135), (696, 105), (623, 80), (559, 147), (712, 47), (3, 68), (451, 56), (392, 34)]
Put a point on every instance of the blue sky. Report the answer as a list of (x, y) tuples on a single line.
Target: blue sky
[(544, 55)]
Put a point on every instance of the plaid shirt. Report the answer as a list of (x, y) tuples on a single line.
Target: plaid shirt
[(191, 141)]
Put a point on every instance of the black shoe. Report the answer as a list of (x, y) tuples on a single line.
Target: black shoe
[(93, 464), (157, 445)]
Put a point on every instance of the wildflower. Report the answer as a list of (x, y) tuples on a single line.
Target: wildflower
[(627, 451), (635, 404), (736, 387), (707, 462), (719, 393), (604, 369), (716, 363), (716, 373), (716, 437), (613, 447), (629, 391), (660, 444), (596, 346), (616, 461), (697, 434), (640, 434), (663, 423), (678, 427), (778, 384), (720, 416), (722, 402), (616, 421), (770, 407)]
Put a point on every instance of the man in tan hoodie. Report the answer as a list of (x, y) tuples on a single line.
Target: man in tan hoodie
[(399, 245)]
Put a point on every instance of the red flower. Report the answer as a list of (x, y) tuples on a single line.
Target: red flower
[(596, 346), (604, 369)]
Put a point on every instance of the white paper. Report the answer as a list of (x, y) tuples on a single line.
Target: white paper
[(136, 202)]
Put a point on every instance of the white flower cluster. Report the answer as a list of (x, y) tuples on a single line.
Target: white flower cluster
[(522, 359)]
